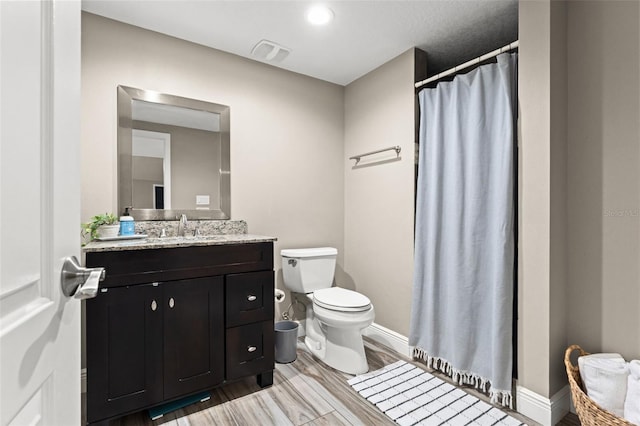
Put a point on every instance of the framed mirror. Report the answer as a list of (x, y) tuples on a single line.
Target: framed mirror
[(173, 156)]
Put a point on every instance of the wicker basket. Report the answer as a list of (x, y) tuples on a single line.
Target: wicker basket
[(589, 413)]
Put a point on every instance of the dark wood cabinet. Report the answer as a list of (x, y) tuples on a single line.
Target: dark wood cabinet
[(193, 335), (124, 351), (149, 343)]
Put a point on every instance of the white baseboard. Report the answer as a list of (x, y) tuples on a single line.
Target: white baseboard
[(543, 410), (83, 380), (390, 338)]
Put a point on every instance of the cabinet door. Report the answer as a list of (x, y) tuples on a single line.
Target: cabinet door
[(193, 335), (124, 351)]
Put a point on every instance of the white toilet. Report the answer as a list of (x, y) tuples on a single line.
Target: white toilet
[(335, 316)]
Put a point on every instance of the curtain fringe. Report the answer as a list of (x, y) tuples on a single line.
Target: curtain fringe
[(462, 377)]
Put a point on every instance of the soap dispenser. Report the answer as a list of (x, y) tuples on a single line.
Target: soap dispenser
[(127, 224)]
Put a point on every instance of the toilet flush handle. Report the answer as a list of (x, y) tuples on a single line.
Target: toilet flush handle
[(293, 262)]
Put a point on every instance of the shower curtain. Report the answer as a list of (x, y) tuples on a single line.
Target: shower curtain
[(461, 319)]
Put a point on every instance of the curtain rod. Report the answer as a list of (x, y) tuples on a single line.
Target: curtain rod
[(468, 64)]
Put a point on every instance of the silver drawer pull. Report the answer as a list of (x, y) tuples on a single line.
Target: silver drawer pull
[(251, 348), (154, 305), (251, 298), (172, 302)]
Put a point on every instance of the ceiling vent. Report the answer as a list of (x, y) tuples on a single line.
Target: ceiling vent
[(270, 51)]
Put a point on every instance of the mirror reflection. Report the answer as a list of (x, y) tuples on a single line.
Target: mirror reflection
[(151, 169), (173, 156)]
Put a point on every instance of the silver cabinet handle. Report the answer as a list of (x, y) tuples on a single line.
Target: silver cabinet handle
[(75, 279), (154, 305), (251, 298), (172, 302), (251, 348)]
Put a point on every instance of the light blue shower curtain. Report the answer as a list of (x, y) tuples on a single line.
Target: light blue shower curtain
[(461, 319)]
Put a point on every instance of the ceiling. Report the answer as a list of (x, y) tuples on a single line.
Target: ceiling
[(362, 36), (171, 115)]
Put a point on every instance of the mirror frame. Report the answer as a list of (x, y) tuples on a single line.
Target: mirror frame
[(126, 95)]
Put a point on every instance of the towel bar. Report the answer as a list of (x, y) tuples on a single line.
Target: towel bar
[(396, 148)]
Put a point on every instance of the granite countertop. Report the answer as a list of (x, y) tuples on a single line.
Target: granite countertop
[(169, 242)]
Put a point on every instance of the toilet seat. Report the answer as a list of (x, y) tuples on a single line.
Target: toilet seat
[(341, 299)]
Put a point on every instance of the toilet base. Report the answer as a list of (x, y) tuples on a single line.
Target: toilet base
[(335, 338), (340, 349)]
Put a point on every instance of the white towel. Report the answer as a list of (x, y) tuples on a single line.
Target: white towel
[(632, 403), (605, 380)]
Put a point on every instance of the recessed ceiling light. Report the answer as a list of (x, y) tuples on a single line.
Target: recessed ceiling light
[(319, 15)]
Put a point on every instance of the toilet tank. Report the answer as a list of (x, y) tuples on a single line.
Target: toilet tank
[(309, 269)]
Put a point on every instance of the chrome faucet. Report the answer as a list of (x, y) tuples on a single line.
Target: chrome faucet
[(182, 225)]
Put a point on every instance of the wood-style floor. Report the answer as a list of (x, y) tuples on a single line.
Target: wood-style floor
[(305, 392)]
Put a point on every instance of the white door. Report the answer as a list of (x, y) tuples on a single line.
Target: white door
[(39, 211), (145, 143)]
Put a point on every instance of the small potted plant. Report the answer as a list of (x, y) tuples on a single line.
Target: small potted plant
[(101, 226)]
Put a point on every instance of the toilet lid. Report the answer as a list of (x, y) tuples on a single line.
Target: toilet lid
[(341, 299), (309, 252)]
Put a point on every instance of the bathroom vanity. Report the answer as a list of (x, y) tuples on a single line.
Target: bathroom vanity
[(175, 317)]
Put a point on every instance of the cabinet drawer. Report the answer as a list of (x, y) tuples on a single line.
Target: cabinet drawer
[(250, 349), (249, 298)]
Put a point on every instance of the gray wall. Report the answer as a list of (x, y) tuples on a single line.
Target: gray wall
[(379, 194), (287, 151), (604, 176), (579, 184), (534, 188)]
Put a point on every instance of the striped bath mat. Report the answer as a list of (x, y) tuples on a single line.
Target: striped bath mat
[(411, 396)]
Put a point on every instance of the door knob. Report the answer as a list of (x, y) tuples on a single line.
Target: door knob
[(79, 281)]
